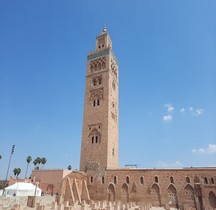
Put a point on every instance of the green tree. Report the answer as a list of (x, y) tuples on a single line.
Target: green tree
[(28, 160), (35, 163), (18, 171), (15, 172), (43, 161), (38, 161), (69, 167)]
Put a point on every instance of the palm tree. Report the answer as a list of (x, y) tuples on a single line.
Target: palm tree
[(28, 160), (43, 161), (15, 172), (35, 163), (38, 161), (18, 171)]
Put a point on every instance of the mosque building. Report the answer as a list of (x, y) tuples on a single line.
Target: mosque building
[(100, 177)]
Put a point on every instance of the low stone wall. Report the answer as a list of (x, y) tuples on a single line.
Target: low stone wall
[(99, 205), (9, 202), (49, 203)]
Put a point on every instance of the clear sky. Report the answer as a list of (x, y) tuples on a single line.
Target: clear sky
[(167, 80)]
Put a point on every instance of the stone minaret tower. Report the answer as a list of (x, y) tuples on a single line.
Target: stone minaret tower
[(100, 121)]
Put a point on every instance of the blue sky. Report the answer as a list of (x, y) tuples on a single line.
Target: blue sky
[(167, 80)]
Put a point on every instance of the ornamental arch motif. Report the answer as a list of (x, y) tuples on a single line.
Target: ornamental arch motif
[(111, 192), (124, 193), (155, 194), (95, 136), (98, 64), (189, 196), (96, 81), (134, 188), (96, 94), (173, 199), (212, 199)]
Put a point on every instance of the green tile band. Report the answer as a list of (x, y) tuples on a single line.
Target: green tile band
[(99, 54)]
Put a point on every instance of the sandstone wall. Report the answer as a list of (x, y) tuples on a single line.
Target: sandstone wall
[(49, 180), (174, 187)]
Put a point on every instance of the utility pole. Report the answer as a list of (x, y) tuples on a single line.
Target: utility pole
[(12, 151)]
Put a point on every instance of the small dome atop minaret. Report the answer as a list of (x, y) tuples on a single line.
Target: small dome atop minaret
[(104, 29)]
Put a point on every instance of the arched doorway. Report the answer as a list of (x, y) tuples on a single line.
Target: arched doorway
[(189, 196), (124, 193), (50, 189), (172, 193), (133, 193), (111, 193), (155, 192), (212, 199)]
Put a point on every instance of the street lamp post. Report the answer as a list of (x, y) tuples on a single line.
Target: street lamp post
[(12, 151)]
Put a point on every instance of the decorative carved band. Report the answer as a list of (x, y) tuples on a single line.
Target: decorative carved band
[(114, 68), (94, 132), (98, 64), (97, 80), (96, 93)]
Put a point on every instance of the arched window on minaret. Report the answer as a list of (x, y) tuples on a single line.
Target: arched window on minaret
[(99, 80), (95, 136), (94, 82)]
